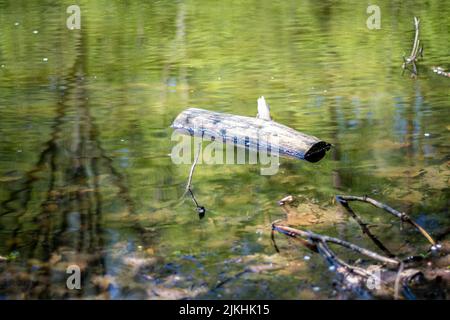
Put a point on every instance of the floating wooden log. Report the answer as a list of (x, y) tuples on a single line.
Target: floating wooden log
[(251, 133)]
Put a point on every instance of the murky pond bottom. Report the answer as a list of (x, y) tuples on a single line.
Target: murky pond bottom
[(87, 181)]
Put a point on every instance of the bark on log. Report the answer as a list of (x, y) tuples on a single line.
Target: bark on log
[(251, 133)]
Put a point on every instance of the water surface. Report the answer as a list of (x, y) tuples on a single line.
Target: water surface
[(85, 172)]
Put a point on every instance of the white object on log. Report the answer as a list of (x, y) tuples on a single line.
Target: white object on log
[(263, 109)]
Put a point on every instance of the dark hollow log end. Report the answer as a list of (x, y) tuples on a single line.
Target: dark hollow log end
[(317, 151)]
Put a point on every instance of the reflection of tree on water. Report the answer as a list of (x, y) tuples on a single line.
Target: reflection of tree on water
[(67, 227)]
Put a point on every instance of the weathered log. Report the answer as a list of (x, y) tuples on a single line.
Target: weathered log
[(251, 133)]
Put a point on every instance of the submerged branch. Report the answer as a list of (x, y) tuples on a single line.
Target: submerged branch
[(314, 237), (401, 215), (364, 227), (389, 277)]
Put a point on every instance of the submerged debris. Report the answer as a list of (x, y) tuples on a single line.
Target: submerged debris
[(410, 278), (441, 71)]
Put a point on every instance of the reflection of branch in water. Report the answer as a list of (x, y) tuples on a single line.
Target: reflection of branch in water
[(73, 189), (78, 174), (47, 155), (31, 176)]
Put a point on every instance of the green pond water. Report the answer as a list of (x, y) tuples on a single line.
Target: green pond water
[(86, 176)]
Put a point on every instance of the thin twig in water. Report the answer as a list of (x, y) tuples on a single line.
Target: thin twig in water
[(332, 259), (415, 52), (364, 227), (294, 233), (200, 209), (191, 172), (401, 215)]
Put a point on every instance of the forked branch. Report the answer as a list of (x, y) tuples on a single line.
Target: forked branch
[(416, 51), (343, 200), (314, 237)]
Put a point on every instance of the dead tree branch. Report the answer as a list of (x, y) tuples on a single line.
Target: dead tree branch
[(364, 227), (295, 233), (416, 51), (343, 200)]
